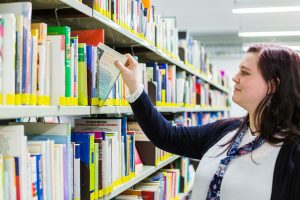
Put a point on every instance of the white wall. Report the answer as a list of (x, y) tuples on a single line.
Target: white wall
[(231, 66)]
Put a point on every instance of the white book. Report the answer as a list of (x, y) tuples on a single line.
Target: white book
[(33, 175), (105, 164), (13, 137), (1, 177), (10, 177), (48, 69), (19, 55), (42, 53), (72, 153), (9, 58), (58, 170), (115, 166), (34, 66), (106, 69), (77, 172), (57, 69), (22, 9), (39, 147), (72, 68)]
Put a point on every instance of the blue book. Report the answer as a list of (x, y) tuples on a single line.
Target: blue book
[(39, 183), (90, 69), (86, 162), (164, 81)]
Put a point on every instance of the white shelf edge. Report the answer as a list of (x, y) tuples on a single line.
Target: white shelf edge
[(81, 7), (144, 174), (12, 112), (163, 109)]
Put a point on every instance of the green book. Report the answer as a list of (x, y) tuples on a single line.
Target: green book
[(82, 75), (66, 31)]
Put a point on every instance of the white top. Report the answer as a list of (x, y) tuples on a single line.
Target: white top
[(244, 178), (136, 94)]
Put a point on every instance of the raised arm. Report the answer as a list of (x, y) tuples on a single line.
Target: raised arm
[(186, 141)]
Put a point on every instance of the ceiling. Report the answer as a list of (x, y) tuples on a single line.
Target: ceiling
[(213, 23)]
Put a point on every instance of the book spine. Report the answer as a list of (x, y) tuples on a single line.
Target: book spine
[(66, 31), (82, 75)]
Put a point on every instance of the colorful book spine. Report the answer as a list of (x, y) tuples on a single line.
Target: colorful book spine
[(74, 41), (66, 31), (82, 75), (77, 172)]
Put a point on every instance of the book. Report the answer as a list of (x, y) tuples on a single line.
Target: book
[(57, 69), (9, 59), (66, 31), (39, 148), (90, 37), (107, 71), (23, 9), (42, 59), (77, 172), (60, 134), (1, 177), (82, 75), (15, 140), (87, 163)]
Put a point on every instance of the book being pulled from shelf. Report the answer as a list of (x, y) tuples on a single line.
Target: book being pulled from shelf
[(108, 73)]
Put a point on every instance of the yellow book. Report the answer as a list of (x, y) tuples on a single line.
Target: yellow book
[(92, 165), (82, 75)]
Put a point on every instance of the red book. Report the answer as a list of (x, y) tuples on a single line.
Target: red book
[(148, 195), (18, 193), (90, 37)]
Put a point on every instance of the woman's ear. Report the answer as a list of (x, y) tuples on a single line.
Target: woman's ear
[(273, 85)]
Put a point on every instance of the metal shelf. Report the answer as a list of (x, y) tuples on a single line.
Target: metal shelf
[(147, 171)]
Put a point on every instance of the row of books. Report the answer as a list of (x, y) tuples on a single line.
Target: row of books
[(170, 87), (64, 69), (193, 53), (139, 17), (166, 184), (197, 119), (48, 161)]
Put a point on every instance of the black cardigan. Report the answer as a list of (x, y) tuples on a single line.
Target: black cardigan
[(194, 141)]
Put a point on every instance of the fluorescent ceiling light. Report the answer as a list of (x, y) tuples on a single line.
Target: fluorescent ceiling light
[(265, 10), (296, 48), (269, 33)]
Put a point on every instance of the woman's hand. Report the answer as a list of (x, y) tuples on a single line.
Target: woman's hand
[(130, 73)]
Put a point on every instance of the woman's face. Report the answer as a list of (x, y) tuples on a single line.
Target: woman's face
[(250, 87)]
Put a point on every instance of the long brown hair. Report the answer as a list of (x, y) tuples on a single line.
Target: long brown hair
[(277, 117)]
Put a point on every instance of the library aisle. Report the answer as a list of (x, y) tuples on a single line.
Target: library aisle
[(68, 131)]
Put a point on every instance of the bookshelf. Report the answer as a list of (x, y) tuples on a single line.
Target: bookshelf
[(77, 15), (83, 17), (147, 171)]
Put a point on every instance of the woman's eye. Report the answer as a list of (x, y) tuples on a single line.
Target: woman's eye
[(244, 73)]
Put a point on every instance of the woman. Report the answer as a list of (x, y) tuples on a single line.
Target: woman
[(253, 158)]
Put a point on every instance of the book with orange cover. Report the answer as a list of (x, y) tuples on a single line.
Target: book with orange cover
[(90, 37)]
